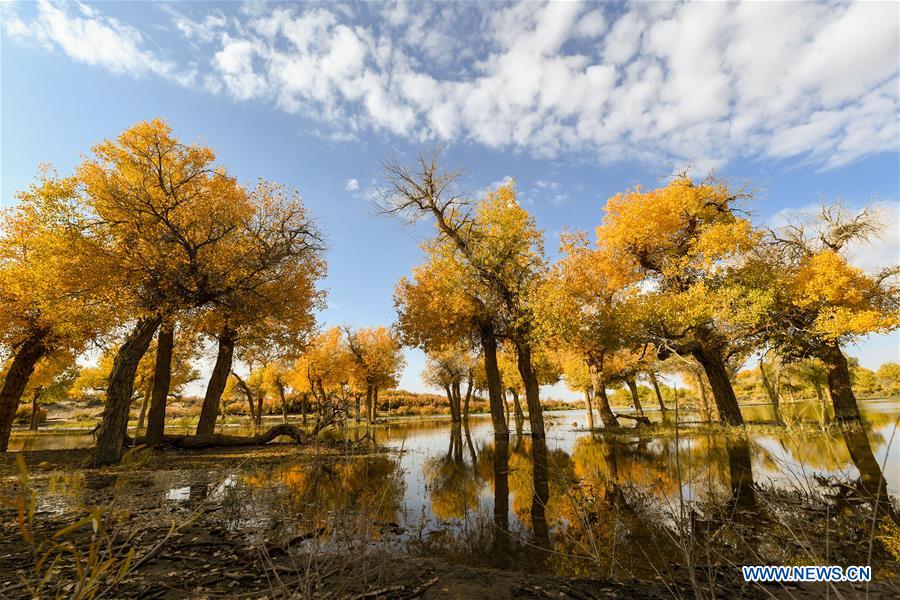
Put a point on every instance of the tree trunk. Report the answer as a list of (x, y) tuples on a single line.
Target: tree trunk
[(532, 390), (589, 408), (370, 413), (842, 398), (704, 401), (595, 367), (35, 408), (284, 410), (450, 402), (457, 401), (467, 398), (162, 377), (635, 397), (517, 410), (659, 398), (771, 391), (114, 426), (192, 442), (821, 398), (495, 390), (211, 400), (305, 398), (541, 494), (145, 404), (723, 394), (374, 404), (31, 351), (259, 408)]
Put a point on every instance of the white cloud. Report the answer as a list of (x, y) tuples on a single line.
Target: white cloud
[(352, 185), (88, 37), (703, 83)]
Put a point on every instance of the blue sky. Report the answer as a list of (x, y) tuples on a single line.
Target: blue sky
[(575, 101)]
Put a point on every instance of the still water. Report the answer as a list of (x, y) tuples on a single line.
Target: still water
[(637, 504)]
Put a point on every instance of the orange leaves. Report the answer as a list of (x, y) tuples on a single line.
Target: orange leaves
[(845, 300)]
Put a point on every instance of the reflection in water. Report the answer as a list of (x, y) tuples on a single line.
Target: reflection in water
[(740, 470), (541, 495), (872, 482), (576, 503), (500, 464)]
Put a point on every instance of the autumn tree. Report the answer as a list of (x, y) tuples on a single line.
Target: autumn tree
[(683, 241), (586, 308), (378, 361), (822, 302), (495, 253), (166, 216), (448, 369), (52, 299), (323, 371), (269, 299)]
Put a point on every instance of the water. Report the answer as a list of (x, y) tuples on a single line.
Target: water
[(622, 506)]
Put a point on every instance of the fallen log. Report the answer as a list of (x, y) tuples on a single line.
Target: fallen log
[(216, 440), (640, 419)]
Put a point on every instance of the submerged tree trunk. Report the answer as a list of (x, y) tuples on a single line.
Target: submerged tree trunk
[(35, 408), (532, 390), (31, 351), (599, 382), (659, 398), (162, 377), (114, 426), (635, 397), (771, 391), (842, 398), (495, 390), (208, 413), (590, 409), (720, 384)]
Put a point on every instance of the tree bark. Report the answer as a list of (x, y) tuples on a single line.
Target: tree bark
[(192, 442), (162, 377), (492, 374), (532, 390), (659, 398), (370, 413), (456, 413), (842, 398), (217, 381), (35, 408), (704, 401), (589, 408), (374, 404), (32, 350), (598, 380), (517, 410), (723, 393), (303, 408), (145, 404), (771, 391), (635, 397), (467, 398), (114, 426), (284, 411)]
